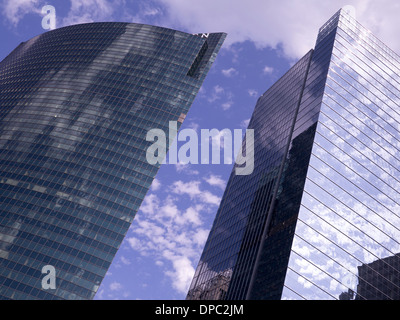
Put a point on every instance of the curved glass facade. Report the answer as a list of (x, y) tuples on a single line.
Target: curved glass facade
[(322, 221), (76, 104)]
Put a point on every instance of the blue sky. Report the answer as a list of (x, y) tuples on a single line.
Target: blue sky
[(158, 257)]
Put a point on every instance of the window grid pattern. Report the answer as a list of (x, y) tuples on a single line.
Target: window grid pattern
[(77, 103), (224, 270), (332, 228), (347, 238)]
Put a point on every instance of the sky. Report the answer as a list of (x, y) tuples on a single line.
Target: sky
[(158, 257)]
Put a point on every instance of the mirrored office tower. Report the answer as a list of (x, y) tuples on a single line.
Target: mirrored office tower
[(319, 218), (76, 104)]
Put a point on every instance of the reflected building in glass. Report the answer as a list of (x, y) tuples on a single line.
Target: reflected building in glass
[(76, 104), (319, 218)]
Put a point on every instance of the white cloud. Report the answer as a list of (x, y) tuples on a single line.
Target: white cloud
[(169, 209), (15, 10), (288, 24), (84, 11), (216, 93), (182, 274), (252, 92), (202, 92), (216, 181), (268, 70), (201, 237), (115, 286), (227, 105), (245, 123), (156, 184), (146, 11), (193, 125), (185, 168), (159, 263), (192, 189), (134, 243), (229, 72), (191, 216), (149, 226), (171, 230), (150, 203), (210, 198), (125, 261)]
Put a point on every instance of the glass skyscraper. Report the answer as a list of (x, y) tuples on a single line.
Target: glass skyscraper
[(319, 218), (76, 104)]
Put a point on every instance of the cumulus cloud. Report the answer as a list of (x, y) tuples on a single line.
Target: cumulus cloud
[(125, 261), (80, 11), (219, 93), (185, 168), (229, 72), (216, 93), (289, 25), (115, 286), (84, 11), (245, 123), (268, 70), (214, 180), (150, 203), (227, 105), (191, 215), (201, 236), (182, 273), (252, 92), (192, 189), (15, 10), (174, 234), (155, 185)]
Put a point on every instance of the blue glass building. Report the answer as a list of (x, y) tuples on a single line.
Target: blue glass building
[(76, 104), (319, 218)]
